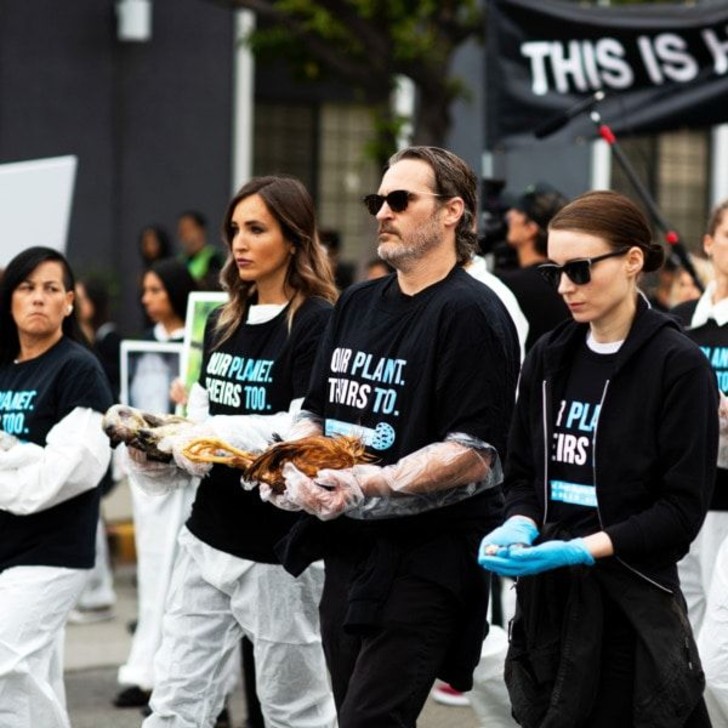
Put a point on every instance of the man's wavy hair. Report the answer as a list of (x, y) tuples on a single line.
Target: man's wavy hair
[(453, 178)]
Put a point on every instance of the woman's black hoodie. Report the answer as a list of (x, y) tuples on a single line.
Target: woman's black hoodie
[(655, 443)]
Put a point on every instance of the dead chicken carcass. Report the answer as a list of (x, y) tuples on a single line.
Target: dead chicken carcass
[(309, 455), (142, 430)]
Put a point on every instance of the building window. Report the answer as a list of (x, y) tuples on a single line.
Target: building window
[(346, 174), (675, 169), (324, 145), (284, 141)]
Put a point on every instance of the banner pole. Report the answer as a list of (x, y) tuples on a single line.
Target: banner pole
[(672, 238)]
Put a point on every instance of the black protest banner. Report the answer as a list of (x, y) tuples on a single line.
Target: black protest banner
[(661, 67)]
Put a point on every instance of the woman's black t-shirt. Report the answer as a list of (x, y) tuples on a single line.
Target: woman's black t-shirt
[(257, 371), (572, 490), (34, 396)]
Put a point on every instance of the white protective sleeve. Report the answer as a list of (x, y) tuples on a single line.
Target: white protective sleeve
[(252, 433), (7, 441), (198, 404), (74, 459)]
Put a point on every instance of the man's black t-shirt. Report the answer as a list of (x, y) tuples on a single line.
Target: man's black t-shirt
[(257, 371), (406, 371), (34, 396)]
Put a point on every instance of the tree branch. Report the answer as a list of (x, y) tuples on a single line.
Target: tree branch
[(369, 78)]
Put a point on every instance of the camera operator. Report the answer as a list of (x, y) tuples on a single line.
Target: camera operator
[(527, 220)]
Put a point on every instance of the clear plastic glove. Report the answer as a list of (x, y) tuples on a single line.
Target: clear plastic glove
[(268, 495), (517, 561), (435, 476), (516, 531), (153, 477), (437, 467), (176, 443), (327, 497)]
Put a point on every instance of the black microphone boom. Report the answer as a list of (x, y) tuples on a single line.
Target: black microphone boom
[(554, 124)]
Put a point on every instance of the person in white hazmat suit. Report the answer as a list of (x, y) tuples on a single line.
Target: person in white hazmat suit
[(158, 518), (257, 356), (704, 572), (53, 454)]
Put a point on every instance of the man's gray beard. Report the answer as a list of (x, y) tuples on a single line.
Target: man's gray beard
[(401, 255)]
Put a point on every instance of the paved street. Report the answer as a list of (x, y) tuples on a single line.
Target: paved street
[(94, 651)]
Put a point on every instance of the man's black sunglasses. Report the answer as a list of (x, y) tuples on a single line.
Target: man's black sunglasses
[(397, 200), (578, 271)]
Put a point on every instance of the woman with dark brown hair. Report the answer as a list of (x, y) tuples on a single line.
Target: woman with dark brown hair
[(611, 459), (257, 356), (166, 287), (53, 454)]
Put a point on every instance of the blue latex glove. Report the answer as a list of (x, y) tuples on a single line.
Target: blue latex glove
[(524, 561), (516, 530)]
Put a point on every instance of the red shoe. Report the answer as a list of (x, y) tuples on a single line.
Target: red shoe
[(447, 695)]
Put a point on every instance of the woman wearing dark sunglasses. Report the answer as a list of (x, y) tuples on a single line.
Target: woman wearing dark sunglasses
[(611, 460)]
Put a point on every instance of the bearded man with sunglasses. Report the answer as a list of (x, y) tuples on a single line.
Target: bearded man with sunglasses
[(528, 219), (422, 365)]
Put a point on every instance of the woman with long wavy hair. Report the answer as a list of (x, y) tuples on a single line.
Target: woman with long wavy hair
[(257, 356)]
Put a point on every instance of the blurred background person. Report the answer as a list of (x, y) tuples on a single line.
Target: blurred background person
[(477, 268), (53, 453), (203, 260), (157, 518), (528, 218), (344, 273), (376, 268), (683, 286), (154, 244), (659, 290), (92, 307), (704, 571)]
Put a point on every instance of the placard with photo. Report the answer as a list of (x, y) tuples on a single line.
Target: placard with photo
[(199, 306), (147, 371)]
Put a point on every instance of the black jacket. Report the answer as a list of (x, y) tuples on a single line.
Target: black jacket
[(555, 648), (655, 443)]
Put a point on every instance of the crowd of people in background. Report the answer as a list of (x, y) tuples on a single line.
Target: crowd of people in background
[(490, 506)]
